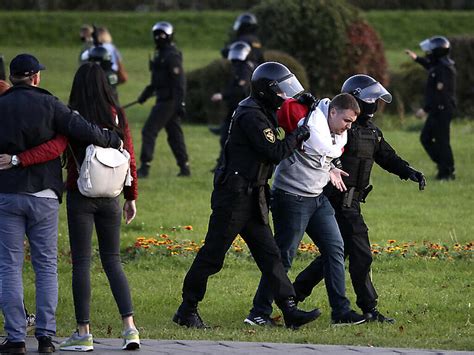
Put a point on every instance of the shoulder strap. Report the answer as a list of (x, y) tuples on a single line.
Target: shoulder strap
[(78, 167)]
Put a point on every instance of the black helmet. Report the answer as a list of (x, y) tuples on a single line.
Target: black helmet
[(271, 79), (162, 32), (437, 46), (367, 91), (101, 56), (245, 22), (239, 50)]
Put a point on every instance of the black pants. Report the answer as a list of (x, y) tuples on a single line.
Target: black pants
[(233, 213), (435, 139), (163, 114), (105, 213), (356, 247)]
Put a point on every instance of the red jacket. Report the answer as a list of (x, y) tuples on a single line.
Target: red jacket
[(290, 113), (56, 146)]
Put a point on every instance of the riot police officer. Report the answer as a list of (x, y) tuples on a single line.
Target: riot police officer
[(245, 29), (365, 146), (439, 103), (169, 85), (101, 56), (238, 87), (239, 199)]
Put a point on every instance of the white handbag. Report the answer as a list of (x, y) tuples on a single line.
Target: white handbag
[(104, 172)]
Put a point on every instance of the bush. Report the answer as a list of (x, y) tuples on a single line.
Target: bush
[(407, 85), (329, 38), (203, 82), (411, 5)]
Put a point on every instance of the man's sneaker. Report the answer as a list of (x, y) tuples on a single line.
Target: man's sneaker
[(190, 319), (260, 319), (131, 339), (30, 321), (376, 316), (349, 318), (45, 345), (77, 342), (10, 347)]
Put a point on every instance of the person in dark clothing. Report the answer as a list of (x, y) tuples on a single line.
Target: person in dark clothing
[(440, 103), (30, 196), (239, 200), (365, 146), (169, 86), (245, 29), (238, 87)]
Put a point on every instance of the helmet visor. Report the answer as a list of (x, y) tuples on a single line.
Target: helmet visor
[(289, 85), (426, 45), (373, 92)]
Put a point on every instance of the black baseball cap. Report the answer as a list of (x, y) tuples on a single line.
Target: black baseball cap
[(25, 65)]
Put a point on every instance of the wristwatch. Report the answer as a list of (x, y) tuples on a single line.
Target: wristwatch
[(15, 160)]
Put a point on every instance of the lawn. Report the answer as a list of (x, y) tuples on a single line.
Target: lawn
[(430, 297)]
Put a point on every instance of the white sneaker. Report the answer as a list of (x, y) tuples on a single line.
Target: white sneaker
[(78, 343), (131, 339)]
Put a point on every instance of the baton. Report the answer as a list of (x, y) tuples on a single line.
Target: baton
[(130, 104), (306, 119)]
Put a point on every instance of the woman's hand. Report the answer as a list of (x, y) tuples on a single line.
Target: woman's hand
[(5, 161), (335, 176), (129, 211)]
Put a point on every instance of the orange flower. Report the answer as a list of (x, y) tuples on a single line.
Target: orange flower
[(189, 228), (391, 241)]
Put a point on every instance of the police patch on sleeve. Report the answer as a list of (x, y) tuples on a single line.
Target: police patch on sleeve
[(269, 135)]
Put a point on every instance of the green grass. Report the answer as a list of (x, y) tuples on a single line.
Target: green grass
[(429, 298)]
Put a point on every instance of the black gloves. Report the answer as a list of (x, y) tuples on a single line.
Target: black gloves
[(307, 99), (302, 133), (418, 177), (180, 109), (146, 94)]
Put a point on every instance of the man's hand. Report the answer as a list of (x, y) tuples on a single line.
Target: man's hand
[(145, 95), (335, 175), (420, 113), (5, 161), (302, 133), (129, 211), (181, 109), (417, 176), (307, 99), (411, 54)]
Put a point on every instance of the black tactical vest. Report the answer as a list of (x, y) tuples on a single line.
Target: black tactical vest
[(358, 157)]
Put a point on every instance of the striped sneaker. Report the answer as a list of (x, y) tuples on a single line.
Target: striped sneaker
[(77, 342), (131, 339)]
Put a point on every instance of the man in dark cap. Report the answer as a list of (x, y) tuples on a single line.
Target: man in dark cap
[(30, 196)]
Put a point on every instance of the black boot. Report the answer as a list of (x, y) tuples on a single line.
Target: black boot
[(294, 317), (184, 170), (188, 317), (144, 170), (9, 347), (375, 316)]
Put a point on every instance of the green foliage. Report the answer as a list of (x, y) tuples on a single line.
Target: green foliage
[(203, 82), (329, 38), (410, 4), (462, 49)]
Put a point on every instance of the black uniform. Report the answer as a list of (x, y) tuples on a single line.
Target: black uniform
[(168, 83), (439, 104), (239, 202), (365, 145), (236, 91)]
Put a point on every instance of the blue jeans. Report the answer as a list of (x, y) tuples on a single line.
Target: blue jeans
[(37, 218), (292, 216)]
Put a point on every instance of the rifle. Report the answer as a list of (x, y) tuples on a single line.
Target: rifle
[(3, 75)]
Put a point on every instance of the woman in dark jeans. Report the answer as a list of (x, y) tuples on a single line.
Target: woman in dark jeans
[(92, 98)]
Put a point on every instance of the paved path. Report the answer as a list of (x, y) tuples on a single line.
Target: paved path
[(191, 347)]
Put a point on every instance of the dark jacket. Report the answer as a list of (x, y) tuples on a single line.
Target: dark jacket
[(441, 84), (167, 75), (239, 85), (253, 148), (30, 116)]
